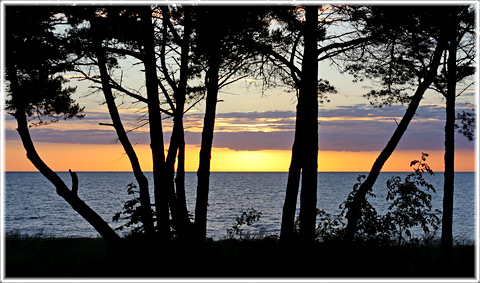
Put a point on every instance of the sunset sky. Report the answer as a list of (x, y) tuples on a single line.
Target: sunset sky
[(253, 132)]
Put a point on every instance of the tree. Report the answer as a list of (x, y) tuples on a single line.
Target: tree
[(36, 89), (97, 38), (414, 48), (130, 32), (223, 50), (184, 48), (304, 80), (457, 67), (207, 21), (302, 38), (309, 94)]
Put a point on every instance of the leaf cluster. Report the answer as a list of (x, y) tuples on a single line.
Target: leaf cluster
[(247, 218), (35, 61), (131, 212), (467, 124)]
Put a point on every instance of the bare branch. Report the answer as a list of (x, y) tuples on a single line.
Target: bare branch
[(74, 182)]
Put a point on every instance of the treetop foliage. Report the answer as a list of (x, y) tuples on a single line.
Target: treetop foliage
[(35, 60)]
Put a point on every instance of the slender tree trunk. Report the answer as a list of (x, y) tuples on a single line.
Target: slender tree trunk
[(177, 142), (170, 172), (180, 183), (127, 146), (203, 173), (155, 122), (293, 182), (305, 146), (354, 209), (449, 174), (308, 195)]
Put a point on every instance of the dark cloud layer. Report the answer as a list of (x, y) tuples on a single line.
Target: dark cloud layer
[(347, 128)]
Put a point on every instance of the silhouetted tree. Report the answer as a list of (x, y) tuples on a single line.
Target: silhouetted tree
[(36, 59), (98, 34), (183, 49), (291, 41), (457, 67), (413, 47), (227, 59)]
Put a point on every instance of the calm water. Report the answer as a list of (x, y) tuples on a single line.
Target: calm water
[(32, 205)]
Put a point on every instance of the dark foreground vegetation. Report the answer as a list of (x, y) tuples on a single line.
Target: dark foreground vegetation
[(40, 256)]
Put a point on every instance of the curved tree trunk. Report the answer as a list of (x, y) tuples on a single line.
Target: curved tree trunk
[(69, 195), (127, 146), (354, 209)]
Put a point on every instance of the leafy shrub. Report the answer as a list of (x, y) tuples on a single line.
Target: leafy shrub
[(247, 217), (131, 212), (410, 206)]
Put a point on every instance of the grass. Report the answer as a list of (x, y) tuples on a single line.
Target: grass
[(40, 256)]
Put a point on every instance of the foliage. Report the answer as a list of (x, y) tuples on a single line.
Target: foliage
[(400, 53), (467, 124), (410, 206), (247, 217), (131, 212), (35, 59), (369, 224), (330, 227)]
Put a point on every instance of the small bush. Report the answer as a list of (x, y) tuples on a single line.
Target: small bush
[(246, 218), (410, 206)]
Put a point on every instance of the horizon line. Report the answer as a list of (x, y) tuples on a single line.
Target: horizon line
[(93, 171)]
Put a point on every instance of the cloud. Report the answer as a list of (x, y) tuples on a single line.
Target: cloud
[(345, 128)]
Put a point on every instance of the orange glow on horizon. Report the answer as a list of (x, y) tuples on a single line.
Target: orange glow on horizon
[(85, 157)]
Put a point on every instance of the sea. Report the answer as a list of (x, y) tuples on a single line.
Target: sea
[(32, 206)]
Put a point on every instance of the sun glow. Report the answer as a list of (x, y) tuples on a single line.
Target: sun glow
[(84, 157)]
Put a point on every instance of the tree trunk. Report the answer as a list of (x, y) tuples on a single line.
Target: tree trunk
[(354, 209), (177, 199), (155, 122), (69, 195), (290, 204), (180, 184), (203, 172), (449, 174), (127, 146), (309, 84), (305, 146)]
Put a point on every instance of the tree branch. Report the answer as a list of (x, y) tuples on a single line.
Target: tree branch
[(345, 44), (74, 182)]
